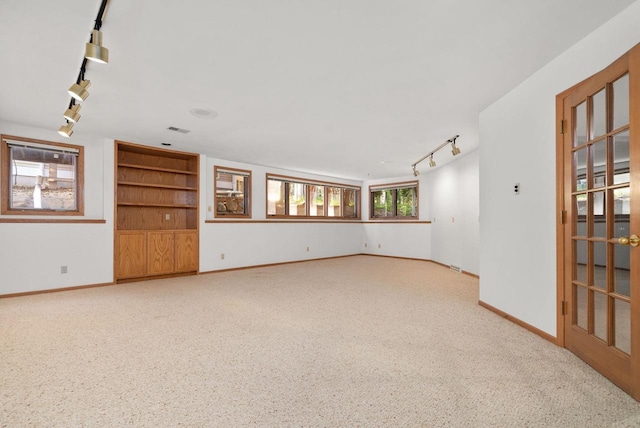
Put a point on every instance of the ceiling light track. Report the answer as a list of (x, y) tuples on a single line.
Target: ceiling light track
[(455, 150), (94, 51)]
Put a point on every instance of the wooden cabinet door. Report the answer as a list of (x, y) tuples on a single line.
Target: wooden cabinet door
[(160, 257), (186, 251), (131, 254)]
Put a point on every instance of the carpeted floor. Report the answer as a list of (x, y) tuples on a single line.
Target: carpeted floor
[(356, 341)]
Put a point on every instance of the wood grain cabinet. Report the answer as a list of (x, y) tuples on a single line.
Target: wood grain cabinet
[(156, 201)]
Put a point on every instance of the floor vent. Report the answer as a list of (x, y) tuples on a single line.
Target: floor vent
[(455, 268)]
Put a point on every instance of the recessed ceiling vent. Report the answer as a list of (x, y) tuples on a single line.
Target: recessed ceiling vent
[(180, 130)]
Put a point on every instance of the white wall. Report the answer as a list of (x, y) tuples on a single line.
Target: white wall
[(517, 144), (257, 243), (453, 192), (411, 240), (31, 254)]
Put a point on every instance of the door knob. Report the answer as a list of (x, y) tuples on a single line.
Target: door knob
[(632, 240)]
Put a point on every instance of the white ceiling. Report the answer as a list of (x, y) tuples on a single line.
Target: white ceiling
[(325, 86)]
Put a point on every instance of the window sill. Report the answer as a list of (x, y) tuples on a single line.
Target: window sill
[(52, 220)]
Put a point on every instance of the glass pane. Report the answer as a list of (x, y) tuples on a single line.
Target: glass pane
[(580, 208), (599, 164), (600, 315), (580, 273), (600, 265), (407, 202), (316, 198), (580, 165), (621, 158), (580, 130), (230, 193), (599, 215), (42, 179), (382, 203), (621, 102), (335, 201), (621, 211), (623, 326), (275, 197), (580, 317), (621, 278), (297, 199), (350, 205), (599, 114)]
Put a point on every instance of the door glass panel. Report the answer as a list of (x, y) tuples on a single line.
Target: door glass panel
[(581, 307), (623, 325), (621, 158), (580, 273), (600, 315), (581, 125), (599, 164), (599, 114), (580, 208), (600, 265), (621, 102), (599, 215), (580, 162), (621, 277), (621, 211)]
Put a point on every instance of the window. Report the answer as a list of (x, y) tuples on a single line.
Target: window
[(232, 197), (292, 197), (394, 201), (41, 177)]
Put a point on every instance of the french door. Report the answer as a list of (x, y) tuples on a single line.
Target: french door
[(599, 251)]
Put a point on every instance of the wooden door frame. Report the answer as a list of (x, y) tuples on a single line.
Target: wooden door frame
[(564, 163)]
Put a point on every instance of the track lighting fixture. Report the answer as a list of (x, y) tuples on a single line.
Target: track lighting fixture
[(79, 90), (94, 51), (66, 130), (72, 114), (454, 150)]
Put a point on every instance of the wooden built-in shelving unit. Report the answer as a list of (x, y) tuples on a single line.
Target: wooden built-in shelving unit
[(156, 227)]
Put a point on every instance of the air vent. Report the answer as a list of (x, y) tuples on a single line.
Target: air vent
[(180, 130), (455, 268)]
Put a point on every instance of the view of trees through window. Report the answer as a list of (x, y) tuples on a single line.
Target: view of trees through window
[(395, 202), (287, 197)]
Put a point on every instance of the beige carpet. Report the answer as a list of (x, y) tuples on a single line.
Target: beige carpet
[(356, 341)]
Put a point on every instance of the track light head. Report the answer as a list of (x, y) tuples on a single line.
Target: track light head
[(66, 130), (72, 114), (432, 163), (454, 149), (79, 90), (94, 50), (415, 171)]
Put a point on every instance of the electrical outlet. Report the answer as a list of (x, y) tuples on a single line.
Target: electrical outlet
[(365, 245), (379, 245), (516, 189), (63, 269), (167, 216), (307, 249), (209, 208), (222, 256)]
